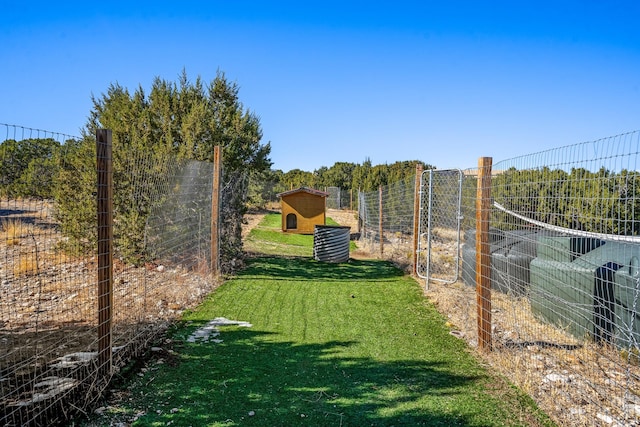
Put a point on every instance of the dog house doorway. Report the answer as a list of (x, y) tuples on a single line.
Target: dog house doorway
[(292, 221)]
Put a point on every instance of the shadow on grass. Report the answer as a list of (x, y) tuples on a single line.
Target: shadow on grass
[(252, 379), (299, 268)]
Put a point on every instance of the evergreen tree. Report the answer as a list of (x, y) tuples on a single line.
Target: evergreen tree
[(183, 121), (27, 167)]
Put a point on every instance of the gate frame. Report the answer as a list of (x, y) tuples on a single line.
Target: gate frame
[(421, 213)]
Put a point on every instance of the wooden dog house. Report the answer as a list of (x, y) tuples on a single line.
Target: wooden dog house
[(303, 209)]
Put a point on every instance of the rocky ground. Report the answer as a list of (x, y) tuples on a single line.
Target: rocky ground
[(49, 309)]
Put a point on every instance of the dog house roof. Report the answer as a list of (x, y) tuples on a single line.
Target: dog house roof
[(304, 190)]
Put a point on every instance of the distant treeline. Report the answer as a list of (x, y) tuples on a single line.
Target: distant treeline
[(28, 168), (344, 175), (600, 202)]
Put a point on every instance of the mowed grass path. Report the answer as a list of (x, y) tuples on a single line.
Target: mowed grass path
[(353, 344)]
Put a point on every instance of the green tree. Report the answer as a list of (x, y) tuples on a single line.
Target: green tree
[(320, 178), (183, 120), (296, 178), (340, 175), (263, 188), (28, 166), (360, 175), (74, 188)]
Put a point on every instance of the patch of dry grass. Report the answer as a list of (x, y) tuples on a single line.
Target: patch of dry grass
[(575, 381), (27, 265), (15, 230)]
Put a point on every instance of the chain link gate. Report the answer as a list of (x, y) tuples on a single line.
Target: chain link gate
[(440, 218)]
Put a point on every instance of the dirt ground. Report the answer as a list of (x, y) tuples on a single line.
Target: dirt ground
[(345, 218), (250, 221)]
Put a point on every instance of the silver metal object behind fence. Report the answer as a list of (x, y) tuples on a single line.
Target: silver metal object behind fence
[(333, 200), (331, 243), (439, 225)]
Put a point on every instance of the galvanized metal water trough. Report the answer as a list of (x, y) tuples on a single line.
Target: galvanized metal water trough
[(331, 243)]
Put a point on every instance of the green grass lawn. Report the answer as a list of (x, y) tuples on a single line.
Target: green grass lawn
[(352, 344), (269, 239)]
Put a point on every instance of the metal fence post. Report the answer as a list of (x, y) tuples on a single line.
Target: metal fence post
[(416, 216), (215, 211), (381, 230), (105, 249)]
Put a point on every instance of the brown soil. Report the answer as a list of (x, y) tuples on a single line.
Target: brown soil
[(250, 221), (345, 218)]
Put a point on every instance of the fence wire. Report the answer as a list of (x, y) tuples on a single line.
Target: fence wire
[(386, 218), (162, 242), (564, 243), (43, 289), (48, 238), (439, 225), (339, 198), (564, 251), (566, 261)]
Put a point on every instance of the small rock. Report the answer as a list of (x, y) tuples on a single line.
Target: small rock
[(557, 378), (252, 413), (605, 418), (160, 268), (457, 334)]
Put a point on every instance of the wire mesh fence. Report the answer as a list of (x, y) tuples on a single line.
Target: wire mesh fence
[(54, 314), (562, 237), (339, 198), (43, 289), (567, 221), (439, 225), (562, 232), (386, 219), (333, 199), (564, 275)]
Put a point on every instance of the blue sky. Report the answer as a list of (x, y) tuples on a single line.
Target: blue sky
[(442, 82)]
